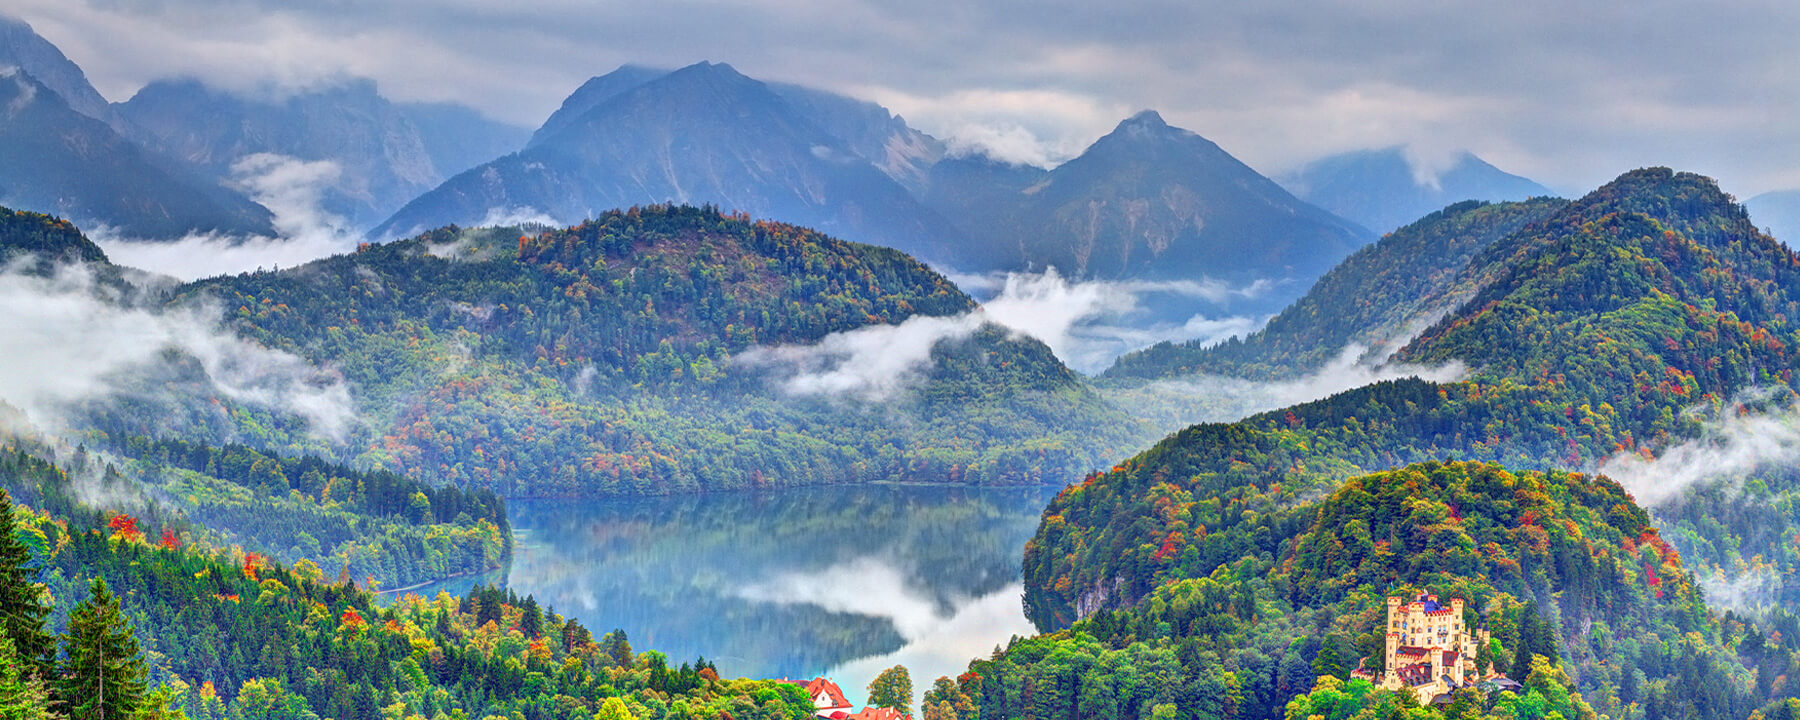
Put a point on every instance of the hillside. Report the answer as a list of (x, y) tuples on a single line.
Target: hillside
[(1591, 334), (1564, 569), (56, 160), (492, 360), (1376, 299), (702, 134), (379, 156), (21, 47), (1150, 202), (229, 634), (1383, 190)]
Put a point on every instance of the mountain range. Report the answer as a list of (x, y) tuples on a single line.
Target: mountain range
[(58, 160), (1384, 189)]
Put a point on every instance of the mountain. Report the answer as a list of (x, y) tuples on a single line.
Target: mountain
[(870, 131), (865, 128), (702, 134), (1596, 336), (1382, 190), (22, 48), (458, 138), (1376, 300), (670, 349), (56, 160), (1779, 212), (985, 197), (1589, 333), (380, 158), (1568, 578), (1153, 202), (593, 93)]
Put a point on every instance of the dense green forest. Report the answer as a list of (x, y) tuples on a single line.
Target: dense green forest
[(600, 359), (1592, 333), (380, 529), (1374, 299), (216, 636), (1577, 588)]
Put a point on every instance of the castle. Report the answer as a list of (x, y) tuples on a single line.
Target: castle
[(1429, 649)]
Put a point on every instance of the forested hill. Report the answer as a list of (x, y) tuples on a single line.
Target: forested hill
[(1374, 299), (1587, 605), (1594, 331), (47, 239), (603, 359), (228, 634)]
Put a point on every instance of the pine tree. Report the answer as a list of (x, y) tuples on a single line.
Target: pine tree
[(102, 676), (22, 694), (22, 606)]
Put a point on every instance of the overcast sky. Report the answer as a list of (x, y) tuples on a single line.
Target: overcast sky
[(1567, 93)]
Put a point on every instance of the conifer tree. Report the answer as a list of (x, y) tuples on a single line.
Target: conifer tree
[(22, 606), (102, 676), (22, 693)]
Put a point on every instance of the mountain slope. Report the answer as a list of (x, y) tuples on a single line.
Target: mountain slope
[(1591, 333), (1565, 571), (1380, 189), (1149, 200), (610, 358), (1375, 300), (56, 160), (593, 93), (458, 138), (1153, 202), (1779, 212), (23, 48), (380, 158), (702, 134), (870, 131)]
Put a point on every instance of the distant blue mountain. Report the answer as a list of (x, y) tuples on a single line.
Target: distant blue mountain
[(386, 153), (23, 48), (1379, 190), (701, 134), (1779, 213), (56, 160), (458, 138)]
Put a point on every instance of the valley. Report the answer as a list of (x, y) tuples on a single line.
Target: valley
[(352, 366)]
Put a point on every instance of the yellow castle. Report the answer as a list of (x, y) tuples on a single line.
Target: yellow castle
[(1429, 650)]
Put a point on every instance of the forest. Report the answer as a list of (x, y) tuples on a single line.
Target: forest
[(599, 360)]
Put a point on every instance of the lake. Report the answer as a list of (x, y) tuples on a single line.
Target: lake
[(839, 581)]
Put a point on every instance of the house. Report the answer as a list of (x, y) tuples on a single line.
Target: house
[(878, 713), (828, 699), (1429, 649)]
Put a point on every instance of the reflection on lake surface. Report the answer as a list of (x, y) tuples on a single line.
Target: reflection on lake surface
[(844, 581)]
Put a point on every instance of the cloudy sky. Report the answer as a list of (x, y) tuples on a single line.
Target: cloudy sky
[(1570, 94)]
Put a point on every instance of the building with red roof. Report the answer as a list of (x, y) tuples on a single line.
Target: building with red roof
[(1429, 648), (828, 699)]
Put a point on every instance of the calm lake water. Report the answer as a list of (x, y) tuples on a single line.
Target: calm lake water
[(836, 581)]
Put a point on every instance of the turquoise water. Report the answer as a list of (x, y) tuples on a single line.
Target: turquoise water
[(842, 581)]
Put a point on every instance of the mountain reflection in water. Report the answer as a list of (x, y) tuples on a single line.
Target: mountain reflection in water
[(789, 583)]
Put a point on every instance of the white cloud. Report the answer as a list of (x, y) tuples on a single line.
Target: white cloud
[(1081, 322), (288, 187), (1214, 398), (67, 344), (870, 363), (1733, 443), (937, 644)]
